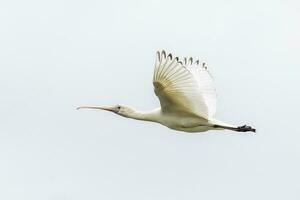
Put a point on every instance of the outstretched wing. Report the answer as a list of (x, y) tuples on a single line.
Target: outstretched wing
[(185, 87)]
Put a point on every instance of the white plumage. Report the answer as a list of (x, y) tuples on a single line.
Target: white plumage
[(187, 97), (184, 87)]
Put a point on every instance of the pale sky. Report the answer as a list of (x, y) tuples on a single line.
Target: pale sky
[(58, 54)]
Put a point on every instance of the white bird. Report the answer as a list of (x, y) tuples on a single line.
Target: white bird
[(187, 97)]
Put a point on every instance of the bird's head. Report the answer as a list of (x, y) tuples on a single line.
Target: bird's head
[(122, 110)]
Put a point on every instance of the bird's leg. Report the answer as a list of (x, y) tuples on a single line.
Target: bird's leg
[(245, 128)]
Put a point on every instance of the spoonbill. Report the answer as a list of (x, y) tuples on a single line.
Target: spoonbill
[(187, 97)]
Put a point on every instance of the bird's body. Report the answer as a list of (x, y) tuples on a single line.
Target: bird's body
[(180, 122), (187, 96)]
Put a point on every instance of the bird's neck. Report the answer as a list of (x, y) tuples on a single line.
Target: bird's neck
[(152, 115)]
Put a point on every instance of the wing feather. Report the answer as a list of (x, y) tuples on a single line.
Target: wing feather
[(184, 87)]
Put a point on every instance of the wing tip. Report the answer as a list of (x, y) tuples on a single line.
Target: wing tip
[(158, 56), (191, 60), (161, 54)]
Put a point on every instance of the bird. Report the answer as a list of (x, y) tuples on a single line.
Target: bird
[(187, 95)]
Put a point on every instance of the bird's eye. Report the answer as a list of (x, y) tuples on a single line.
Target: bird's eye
[(119, 107)]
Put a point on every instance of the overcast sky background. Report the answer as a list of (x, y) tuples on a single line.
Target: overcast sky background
[(57, 55)]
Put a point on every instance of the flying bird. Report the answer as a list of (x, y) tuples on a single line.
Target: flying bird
[(187, 97)]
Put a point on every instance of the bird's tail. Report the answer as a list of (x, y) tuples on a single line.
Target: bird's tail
[(222, 125)]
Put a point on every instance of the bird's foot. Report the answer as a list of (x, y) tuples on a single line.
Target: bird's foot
[(245, 128)]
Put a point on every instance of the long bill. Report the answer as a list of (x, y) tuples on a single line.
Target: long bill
[(107, 108)]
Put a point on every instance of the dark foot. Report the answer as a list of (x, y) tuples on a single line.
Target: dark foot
[(245, 128)]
